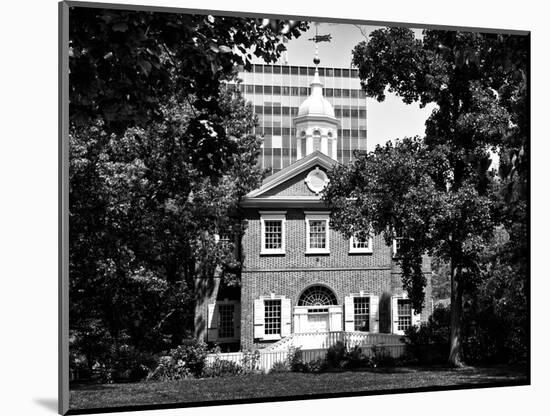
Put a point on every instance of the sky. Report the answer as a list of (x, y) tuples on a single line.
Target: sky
[(387, 120)]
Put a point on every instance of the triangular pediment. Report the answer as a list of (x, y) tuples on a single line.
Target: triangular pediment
[(293, 185), (292, 175)]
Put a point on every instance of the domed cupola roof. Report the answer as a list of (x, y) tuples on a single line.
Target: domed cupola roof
[(316, 104), (316, 107)]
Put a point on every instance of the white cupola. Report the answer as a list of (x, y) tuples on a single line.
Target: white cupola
[(316, 126)]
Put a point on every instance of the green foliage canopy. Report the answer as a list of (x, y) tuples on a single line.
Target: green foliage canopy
[(438, 192), (125, 64)]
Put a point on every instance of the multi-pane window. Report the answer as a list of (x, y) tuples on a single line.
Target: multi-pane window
[(360, 244), (361, 313), (317, 230), (317, 234), (273, 234), (317, 296), (273, 231), (272, 317), (404, 314), (226, 323)]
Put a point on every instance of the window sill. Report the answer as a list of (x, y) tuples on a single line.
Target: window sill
[(271, 337), (360, 251), (317, 251), (272, 253)]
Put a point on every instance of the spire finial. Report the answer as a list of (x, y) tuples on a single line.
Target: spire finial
[(316, 59), (316, 39)]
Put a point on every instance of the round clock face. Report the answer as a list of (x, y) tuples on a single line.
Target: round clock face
[(316, 180)]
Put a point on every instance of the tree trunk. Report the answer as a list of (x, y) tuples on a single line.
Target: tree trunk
[(455, 354)]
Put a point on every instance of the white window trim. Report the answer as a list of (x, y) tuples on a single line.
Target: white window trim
[(360, 250), (273, 216), (273, 337), (318, 215), (404, 296), (394, 246), (362, 295), (235, 323)]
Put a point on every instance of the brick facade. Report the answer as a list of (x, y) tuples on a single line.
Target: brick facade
[(290, 274), (286, 275)]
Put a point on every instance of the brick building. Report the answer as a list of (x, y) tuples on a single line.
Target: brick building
[(299, 276)]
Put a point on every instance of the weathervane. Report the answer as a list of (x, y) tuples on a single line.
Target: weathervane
[(316, 39)]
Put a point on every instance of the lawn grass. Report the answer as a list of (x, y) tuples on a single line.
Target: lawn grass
[(288, 384)]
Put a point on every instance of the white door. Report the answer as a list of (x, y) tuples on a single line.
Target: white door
[(318, 322)]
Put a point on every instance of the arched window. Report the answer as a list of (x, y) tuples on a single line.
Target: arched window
[(317, 296), (316, 140)]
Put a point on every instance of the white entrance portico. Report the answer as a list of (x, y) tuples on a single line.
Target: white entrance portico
[(317, 312)]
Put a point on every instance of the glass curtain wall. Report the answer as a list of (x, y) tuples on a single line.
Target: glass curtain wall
[(276, 92)]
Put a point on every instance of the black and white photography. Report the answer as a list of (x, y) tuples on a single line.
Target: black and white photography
[(269, 208)]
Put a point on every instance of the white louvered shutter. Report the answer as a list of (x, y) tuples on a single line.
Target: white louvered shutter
[(335, 314), (237, 320), (373, 311), (349, 324), (259, 318), (300, 319), (285, 317), (394, 315), (213, 322)]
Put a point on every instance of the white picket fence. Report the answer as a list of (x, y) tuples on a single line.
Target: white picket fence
[(316, 340), (268, 358)]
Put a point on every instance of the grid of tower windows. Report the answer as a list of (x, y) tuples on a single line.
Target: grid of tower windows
[(317, 234), (276, 92), (273, 234), (272, 317), (361, 313), (226, 323), (404, 318)]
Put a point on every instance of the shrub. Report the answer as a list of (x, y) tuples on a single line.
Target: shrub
[(169, 370), (381, 357), (315, 366), (280, 367), (429, 342), (187, 360), (295, 360), (250, 361), (222, 368), (354, 358), (336, 355), (129, 364), (192, 353)]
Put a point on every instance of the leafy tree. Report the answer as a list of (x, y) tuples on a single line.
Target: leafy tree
[(438, 192), (144, 224), (160, 153), (124, 65)]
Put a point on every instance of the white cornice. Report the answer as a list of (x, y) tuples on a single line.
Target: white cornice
[(283, 202)]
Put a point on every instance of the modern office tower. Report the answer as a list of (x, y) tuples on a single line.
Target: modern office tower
[(276, 91)]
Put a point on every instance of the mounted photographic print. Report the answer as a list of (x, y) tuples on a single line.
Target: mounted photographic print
[(260, 208)]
